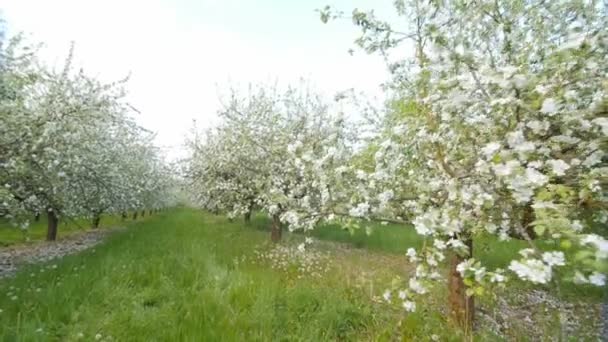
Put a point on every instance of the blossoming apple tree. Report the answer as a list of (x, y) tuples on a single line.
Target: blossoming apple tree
[(246, 161), (501, 130)]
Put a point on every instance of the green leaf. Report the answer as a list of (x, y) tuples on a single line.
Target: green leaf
[(539, 229)]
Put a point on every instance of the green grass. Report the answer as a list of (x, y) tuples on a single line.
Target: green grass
[(183, 275), (396, 239), (10, 235), (174, 278)]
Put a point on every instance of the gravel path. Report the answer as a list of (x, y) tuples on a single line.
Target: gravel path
[(12, 257)]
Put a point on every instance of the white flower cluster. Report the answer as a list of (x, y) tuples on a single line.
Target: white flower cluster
[(535, 270)]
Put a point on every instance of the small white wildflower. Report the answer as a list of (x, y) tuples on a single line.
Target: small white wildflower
[(402, 295), (302, 248), (387, 295), (409, 306), (98, 337)]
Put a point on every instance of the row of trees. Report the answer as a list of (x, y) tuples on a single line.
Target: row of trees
[(496, 125), (69, 147)]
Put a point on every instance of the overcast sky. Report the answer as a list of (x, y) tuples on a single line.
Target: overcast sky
[(180, 54)]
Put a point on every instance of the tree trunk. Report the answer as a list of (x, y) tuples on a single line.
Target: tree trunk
[(135, 215), (277, 229), (37, 217), (150, 212), (123, 215), (247, 217), (51, 228), (461, 306), (527, 229), (96, 220), (528, 218), (143, 213)]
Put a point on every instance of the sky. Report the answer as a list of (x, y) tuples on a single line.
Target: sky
[(182, 55)]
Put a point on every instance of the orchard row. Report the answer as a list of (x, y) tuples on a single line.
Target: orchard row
[(69, 146)]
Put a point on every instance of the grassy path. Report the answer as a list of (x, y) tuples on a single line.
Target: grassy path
[(182, 275), (173, 278)]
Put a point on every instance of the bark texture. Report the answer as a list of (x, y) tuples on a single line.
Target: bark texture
[(461, 306), (276, 229), (52, 223)]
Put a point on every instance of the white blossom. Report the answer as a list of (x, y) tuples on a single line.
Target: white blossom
[(490, 149), (597, 279), (532, 270), (360, 210), (559, 166), (416, 286), (411, 254), (554, 258), (549, 106)]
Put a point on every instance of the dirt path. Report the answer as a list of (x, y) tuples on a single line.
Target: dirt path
[(13, 257)]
